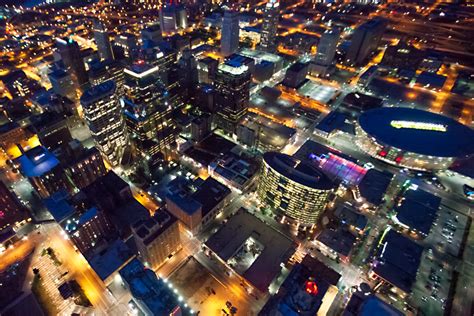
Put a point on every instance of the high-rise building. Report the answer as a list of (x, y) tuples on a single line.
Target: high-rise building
[(151, 35), (71, 56), (62, 83), (86, 230), (126, 46), (11, 212), (102, 40), (181, 17), (207, 68), (52, 129), (232, 91), (101, 71), (104, 118), (84, 166), (270, 26), (157, 238), (167, 19), (147, 111), (188, 75), (43, 171), (365, 40), (230, 33), (293, 189), (201, 127), (327, 47), (173, 17)]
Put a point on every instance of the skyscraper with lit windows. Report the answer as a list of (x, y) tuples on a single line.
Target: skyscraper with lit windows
[(102, 40), (147, 111), (103, 115), (232, 92), (230, 33), (71, 56), (270, 26)]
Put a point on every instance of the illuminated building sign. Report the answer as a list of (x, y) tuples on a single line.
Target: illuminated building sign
[(311, 288), (419, 125)]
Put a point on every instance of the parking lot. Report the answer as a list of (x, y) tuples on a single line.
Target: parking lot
[(317, 92), (203, 292), (432, 285), (448, 231)]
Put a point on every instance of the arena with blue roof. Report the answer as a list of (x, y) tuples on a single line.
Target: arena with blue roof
[(413, 138)]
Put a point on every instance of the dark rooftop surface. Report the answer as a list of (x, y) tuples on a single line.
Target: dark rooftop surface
[(397, 260), (210, 193), (349, 216), (371, 305), (333, 121), (110, 259), (292, 298), (418, 210), (298, 171), (374, 184), (456, 141), (150, 291), (339, 240), (277, 248), (97, 92), (154, 226)]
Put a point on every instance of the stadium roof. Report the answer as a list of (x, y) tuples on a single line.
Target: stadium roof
[(418, 131)]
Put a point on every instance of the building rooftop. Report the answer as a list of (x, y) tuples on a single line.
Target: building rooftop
[(149, 229), (418, 210), (186, 203), (97, 92), (233, 69), (5, 128), (349, 216), (362, 305), (333, 121), (416, 131), (110, 183), (430, 79), (374, 185), (261, 55), (297, 67), (375, 306), (234, 168), (339, 240), (310, 149), (37, 162), (397, 260), (59, 206), (110, 259), (141, 70), (230, 238), (298, 171), (151, 293), (361, 101), (308, 290), (210, 194), (58, 74)]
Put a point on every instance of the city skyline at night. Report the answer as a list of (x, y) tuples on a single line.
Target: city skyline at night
[(209, 157)]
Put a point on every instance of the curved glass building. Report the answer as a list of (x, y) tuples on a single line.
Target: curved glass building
[(294, 190)]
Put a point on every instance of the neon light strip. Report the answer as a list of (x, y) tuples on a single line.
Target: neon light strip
[(419, 125)]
